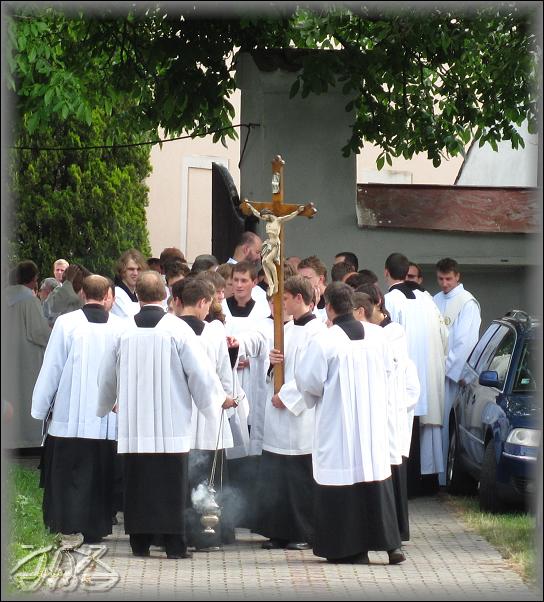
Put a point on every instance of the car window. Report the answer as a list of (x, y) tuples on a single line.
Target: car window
[(478, 348), (525, 376), (501, 359), (490, 349)]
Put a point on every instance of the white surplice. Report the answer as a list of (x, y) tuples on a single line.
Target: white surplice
[(155, 374), (69, 375), (254, 380), (124, 306), (290, 430), (347, 383), (211, 432), (405, 384)]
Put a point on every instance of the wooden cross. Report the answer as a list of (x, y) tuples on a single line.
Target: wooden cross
[(279, 209)]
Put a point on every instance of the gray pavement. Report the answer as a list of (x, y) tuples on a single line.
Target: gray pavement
[(444, 561)]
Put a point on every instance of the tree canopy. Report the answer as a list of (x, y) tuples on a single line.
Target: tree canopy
[(416, 81), (87, 207)]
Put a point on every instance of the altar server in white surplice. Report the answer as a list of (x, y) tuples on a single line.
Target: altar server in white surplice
[(128, 268), (427, 339), (155, 370), (314, 270), (285, 483), (242, 305), (210, 435), (79, 452), (404, 390), (243, 317), (344, 378), (461, 313)]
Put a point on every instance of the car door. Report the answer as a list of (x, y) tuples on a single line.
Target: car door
[(469, 377), (481, 409)]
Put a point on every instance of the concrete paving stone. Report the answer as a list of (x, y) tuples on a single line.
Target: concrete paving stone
[(445, 561)]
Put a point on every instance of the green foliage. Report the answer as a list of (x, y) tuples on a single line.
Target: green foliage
[(431, 81), (512, 533), (414, 80), (25, 516), (87, 207)]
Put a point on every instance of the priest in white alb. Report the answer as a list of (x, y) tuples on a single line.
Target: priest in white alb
[(461, 313)]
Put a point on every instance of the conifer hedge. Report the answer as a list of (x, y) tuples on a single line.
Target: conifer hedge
[(86, 206)]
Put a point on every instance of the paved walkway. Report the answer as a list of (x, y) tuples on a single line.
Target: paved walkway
[(445, 561)]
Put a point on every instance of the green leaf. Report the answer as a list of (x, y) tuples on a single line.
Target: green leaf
[(88, 115), (47, 96), (379, 162), (32, 123)]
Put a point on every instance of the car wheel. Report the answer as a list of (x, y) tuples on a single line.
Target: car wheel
[(458, 481), (489, 499)]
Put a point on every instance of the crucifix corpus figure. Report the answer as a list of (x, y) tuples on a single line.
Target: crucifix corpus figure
[(275, 214), (271, 249)]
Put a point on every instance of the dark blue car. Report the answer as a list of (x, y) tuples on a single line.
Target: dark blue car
[(494, 422)]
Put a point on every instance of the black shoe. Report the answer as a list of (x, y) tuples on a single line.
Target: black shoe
[(90, 539), (429, 484), (355, 559), (396, 556), (302, 545), (180, 556), (274, 544), (141, 553)]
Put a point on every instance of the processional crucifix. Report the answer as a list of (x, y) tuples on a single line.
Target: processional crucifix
[(275, 214)]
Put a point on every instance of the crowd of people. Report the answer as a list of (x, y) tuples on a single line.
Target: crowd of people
[(144, 389)]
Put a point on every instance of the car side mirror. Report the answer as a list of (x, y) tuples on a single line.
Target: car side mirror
[(489, 378)]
